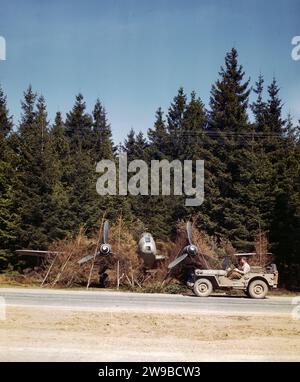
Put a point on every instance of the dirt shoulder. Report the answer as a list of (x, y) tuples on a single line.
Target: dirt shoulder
[(43, 334)]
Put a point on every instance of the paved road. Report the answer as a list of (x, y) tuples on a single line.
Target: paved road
[(121, 301)]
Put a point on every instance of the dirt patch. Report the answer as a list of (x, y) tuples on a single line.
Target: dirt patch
[(42, 334)]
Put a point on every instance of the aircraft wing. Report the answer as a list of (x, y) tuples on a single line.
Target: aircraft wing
[(33, 252), (249, 254), (160, 257)]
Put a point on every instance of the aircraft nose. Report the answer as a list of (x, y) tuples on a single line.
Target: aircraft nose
[(192, 250), (105, 249)]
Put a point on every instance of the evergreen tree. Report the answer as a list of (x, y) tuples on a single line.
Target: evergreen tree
[(79, 126), (229, 99), (198, 145), (81, 177), (158, 137), (59, 218), (263, 171), (229, 129), (190, 146), (8, 218), (115, 205), (35, 173), (274, 119), (129, 145), (193, 128), (59, 140), (175, 121), (160, 207), (104, 148), (284, 155), (290, 131), (285, 226), (259, 107), (135, 146)]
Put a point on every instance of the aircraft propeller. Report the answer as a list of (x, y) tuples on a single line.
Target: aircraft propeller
[(104, 249), (189, 250)]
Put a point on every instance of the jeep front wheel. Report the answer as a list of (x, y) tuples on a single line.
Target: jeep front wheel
[(203, 288), (258, 289)]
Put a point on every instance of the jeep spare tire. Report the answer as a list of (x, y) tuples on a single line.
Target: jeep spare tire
[(203, 287), (258, 289)]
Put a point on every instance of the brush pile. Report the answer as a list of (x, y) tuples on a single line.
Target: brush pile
[(122, 268)]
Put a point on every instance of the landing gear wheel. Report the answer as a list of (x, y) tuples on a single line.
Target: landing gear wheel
[(203, 288), (258, 289)]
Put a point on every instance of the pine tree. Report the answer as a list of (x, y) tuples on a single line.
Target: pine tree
[(35, 175), (190, 146), (158, 137), (104, 148), (229, 130), (59, 218), (274, 108), (196, 144), (285, 227), (263, 171), (159, 219), (193, 128), (290, 131), (81, 177), (259, 107), (175, 121), (129, 145), (135, 146), (284, 155), (59, 140), (79, 126), (8, 218), (229, 100)]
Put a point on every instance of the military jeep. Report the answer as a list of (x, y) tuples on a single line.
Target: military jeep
[(255, 284)]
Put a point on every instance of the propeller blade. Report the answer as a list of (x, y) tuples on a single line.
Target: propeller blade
[(177, 260), (105, 232), (85, 259), (189, 232)]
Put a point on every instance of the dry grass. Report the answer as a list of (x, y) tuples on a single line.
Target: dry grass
[(32, 279), (64, 270), (263, 258), (124, 268), (207, 256)]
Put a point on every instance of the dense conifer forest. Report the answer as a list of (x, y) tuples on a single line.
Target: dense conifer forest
[(252, 169)]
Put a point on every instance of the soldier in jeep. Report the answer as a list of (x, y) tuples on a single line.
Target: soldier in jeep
[(243, 269)]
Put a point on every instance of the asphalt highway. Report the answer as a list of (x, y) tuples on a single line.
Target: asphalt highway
[(124, 301)]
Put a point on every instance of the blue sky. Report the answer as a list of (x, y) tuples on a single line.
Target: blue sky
[(134, 54)]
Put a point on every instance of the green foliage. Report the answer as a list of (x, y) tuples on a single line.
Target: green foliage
[(102, 144), (8, 217), (252, 169)]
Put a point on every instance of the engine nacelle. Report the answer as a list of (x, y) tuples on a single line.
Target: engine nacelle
[(192, 250), (105, 249)]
